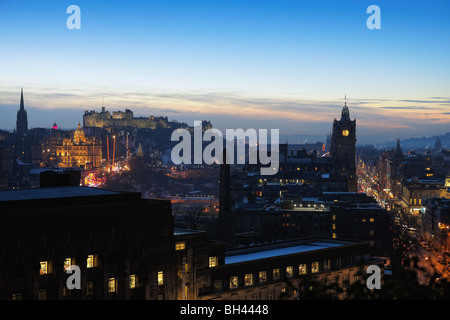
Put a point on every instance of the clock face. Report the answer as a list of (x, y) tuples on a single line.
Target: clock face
[(345, 133)]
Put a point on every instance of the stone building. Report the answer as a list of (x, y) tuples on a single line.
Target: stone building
[(79, 151)]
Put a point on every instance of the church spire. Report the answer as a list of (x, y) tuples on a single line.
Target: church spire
[(22, 107), (22, 121)]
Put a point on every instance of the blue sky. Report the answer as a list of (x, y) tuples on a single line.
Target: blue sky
[(283, 64)]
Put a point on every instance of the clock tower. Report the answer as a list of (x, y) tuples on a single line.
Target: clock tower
[(342, 149)]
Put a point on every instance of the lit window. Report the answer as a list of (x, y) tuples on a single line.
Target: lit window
[(67, 263), (112, 285), (132, 281), (44, 267), (326, 264), (180, 245), (17, 296), (302, 268), (212, 262), (371, 219), (315, 266), (333, 235), (262, 276), (90, 261), (289, 271), (276, 274), (248, 279), (233, 282), (160, 278)]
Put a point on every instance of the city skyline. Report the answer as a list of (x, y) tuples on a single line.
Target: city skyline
[(244, 64)]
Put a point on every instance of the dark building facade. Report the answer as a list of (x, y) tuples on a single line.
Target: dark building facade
[(123, 244)]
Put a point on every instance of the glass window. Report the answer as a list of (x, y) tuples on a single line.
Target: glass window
[(42, 294), (289, 271), (181, 245), (160, 278), (326, 264), (212, 262), (44, 267), (276, 274), (90, 261), (302, 268), (248, 279), (315, 266), (262, 276), (218, 285), (112, 285), (17, 296), (89, 288), (132, 281), (67, 263), (233, 282)]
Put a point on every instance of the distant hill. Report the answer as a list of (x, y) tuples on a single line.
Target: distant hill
[(422, 142)]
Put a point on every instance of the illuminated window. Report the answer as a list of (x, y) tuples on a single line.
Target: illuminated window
[(44, 267), (289, 271), (276, 274), (248, 279), (180, 245), (333, 235), (233, 282), (132, 279), (371, 220), (90, 261), (112, 285), (262, 276), (302, 268), (334, 217), (333, 226), (67, 263), (17, 296), (160, 278), (212, 262), (326, 264), (315, 266)]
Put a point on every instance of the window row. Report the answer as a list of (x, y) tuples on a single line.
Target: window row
[(250, 279), (46, 266)]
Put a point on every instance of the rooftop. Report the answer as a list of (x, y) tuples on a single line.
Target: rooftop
[(53, 193), (271, 251)]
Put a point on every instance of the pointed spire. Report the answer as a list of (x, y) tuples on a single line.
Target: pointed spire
[(345, 114), (22, 107), (398, 150)]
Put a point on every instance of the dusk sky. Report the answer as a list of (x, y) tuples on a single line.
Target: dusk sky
[(275, 64)]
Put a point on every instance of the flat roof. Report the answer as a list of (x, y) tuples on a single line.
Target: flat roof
[(312, 245), (178, 231), (53, 193)]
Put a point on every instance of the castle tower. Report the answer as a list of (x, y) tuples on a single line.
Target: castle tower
[(342, 149), (22, 122)]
